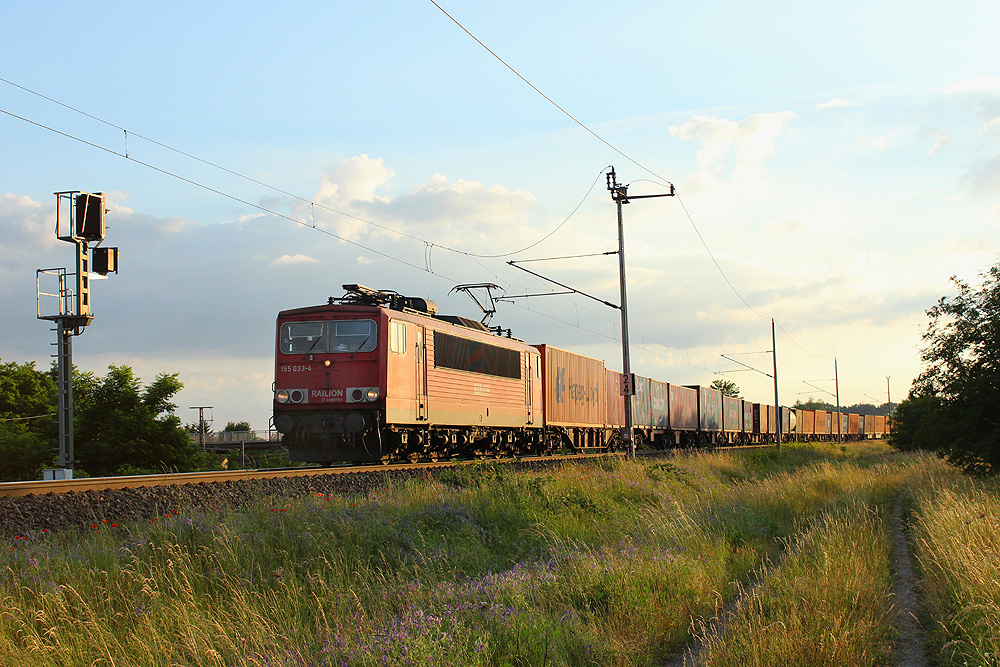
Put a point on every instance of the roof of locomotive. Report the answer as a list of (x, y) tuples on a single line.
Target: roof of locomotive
[(454, 322)]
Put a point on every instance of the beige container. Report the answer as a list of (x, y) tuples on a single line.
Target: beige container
[(575, 388)]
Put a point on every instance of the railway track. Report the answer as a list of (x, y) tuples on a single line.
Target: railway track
[(40, 488)]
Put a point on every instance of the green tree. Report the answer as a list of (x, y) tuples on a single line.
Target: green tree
[(727, 387), (28, 426), (237, 427), (813, 404), (23, 453), (954, 404), (26, 392), (122, 425)]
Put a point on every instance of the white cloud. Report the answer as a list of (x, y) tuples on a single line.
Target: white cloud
[(940, 139), (293, 259), (983, 83), (750, 140), (461, 201), (983, 177), (26, 224), (835, 103), (876, 142), (248, 217), (461, 212), (354, 179)]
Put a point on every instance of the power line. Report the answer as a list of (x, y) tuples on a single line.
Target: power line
[(429, 245), (304, 200), (426, 268), (609, 145)]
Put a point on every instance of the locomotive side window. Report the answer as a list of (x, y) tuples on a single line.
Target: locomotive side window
[(462, 354), (397, 337), (352, 336), (302, 337)]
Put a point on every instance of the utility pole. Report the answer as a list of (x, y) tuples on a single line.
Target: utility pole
[(840, 420), (201, 423), (889, 395), (619, 194), (777, 409)]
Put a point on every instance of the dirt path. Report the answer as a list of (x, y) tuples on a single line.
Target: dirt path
[(708, 630), (909, 649), (910, 645)]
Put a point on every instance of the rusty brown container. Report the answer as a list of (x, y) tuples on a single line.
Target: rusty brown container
[(822, 423), (880, 424), (683, 408), (806, 422), (767, 419), (615, 399), (870, 424), (853, 424), (575, 388)]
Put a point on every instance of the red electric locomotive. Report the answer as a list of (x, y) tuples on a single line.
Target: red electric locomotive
[(376, 376)]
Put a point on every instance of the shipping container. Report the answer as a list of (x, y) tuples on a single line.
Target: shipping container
[(759, 419), (853, 424), (660, 405), (806, 424), (787, 420), (642, 403), (869, 425), (575, 388), (748, 416), (732, 414), (768, 420), (879, 425), (615, 399), (709, 409), (683, 408), (821, 424)]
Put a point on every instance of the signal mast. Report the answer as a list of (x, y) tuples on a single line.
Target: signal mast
[(82, 225)]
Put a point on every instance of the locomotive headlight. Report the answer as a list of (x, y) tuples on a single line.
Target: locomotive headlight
[(281, 396), (373, 394)]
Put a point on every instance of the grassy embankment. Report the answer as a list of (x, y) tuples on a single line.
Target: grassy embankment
[(585, 565)]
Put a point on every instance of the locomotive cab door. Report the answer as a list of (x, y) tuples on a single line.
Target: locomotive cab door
[(421, 379), (529, 374)]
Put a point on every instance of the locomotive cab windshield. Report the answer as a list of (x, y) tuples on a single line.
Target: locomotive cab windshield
[(337, 336)]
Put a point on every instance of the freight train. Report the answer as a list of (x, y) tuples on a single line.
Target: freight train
[(375, 376)]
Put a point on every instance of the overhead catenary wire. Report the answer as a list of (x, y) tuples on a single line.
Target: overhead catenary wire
[(304, 200), (635, 162), (428, 267), (428, 245)]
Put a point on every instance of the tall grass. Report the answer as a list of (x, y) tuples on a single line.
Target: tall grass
[(955, 525), (828, 604), (610, 564)]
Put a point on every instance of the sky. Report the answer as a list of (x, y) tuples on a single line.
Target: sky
[(834, 167)]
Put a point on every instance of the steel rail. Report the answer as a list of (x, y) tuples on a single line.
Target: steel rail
[(43, 487)]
